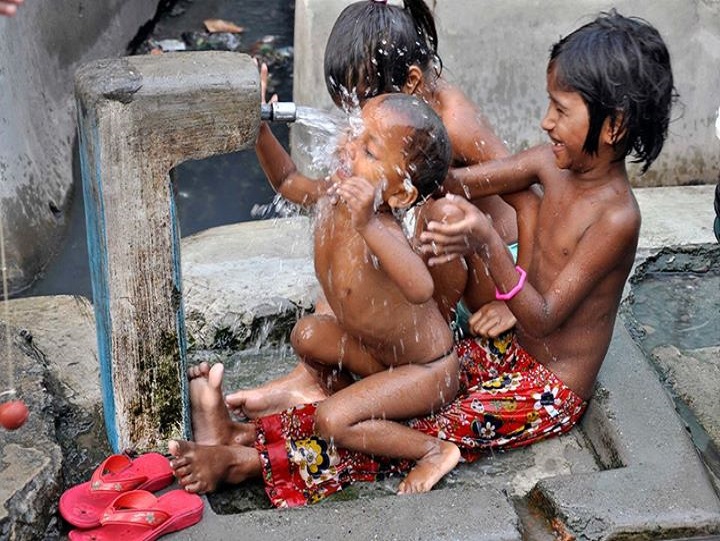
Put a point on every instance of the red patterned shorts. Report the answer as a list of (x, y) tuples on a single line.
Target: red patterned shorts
[(506, 400)]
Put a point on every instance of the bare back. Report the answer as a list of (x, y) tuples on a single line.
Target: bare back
[(474, 141)]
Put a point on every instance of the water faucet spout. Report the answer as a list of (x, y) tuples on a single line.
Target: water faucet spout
[(279, 111)]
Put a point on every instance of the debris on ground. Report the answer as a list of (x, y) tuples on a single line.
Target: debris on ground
[(219, 25)]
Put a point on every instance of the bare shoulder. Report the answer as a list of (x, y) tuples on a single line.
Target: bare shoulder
[(622, 213), (473, 138), (541, 162), (616, 223)]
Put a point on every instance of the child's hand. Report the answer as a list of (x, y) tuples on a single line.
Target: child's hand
[(447, 241), (492, 319), (264, 83), (360, 197)]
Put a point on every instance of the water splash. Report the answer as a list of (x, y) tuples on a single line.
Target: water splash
[(322, 137)]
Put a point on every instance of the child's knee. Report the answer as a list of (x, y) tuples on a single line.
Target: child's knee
[(302, 337), (444, 211), (328, 424)]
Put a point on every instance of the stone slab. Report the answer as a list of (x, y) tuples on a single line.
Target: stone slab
[(695, 377), (675, 215), (239, 278), (477, 514)]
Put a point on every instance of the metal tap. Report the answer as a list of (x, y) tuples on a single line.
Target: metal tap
[(279, 111)]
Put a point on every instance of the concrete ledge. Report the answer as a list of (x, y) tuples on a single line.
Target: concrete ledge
[(225, 268), (478, 515), (660, 487)]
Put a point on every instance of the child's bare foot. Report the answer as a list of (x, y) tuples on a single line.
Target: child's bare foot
[(493, 319), (210, 419), (430, 469), (202, 468), (300, 386)]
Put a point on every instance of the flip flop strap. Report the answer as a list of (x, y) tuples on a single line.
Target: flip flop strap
[(100, 481), (149, 518)]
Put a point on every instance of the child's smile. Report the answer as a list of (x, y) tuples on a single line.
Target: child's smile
[(566, 123)]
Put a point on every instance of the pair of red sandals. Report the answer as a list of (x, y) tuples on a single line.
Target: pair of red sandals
[(117, 502)]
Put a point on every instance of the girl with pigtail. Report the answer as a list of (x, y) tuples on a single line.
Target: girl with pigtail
[(376, 48)]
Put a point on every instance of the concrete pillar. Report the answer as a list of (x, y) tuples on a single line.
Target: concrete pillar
[(139, 117)]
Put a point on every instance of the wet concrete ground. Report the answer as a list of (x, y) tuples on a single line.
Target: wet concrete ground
[(629, 471)]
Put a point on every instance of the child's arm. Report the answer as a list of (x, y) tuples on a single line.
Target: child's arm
[(603, 246), (473, 139), (393, 251), (503, 176), (282, 173), (277, 163)]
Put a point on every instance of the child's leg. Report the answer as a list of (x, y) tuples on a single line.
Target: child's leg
[(203, 468), (355, 418), (320, 341), (521, 403), (303, 385)]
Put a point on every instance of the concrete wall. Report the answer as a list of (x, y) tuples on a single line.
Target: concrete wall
[(497, 52), (40, 48)]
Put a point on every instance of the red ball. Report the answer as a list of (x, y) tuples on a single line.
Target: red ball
[(13, 414)]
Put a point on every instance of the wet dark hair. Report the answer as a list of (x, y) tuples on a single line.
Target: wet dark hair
[(428, 151), (373, 44), (621, 68)]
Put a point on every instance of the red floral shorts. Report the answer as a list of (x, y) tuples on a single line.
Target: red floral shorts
[(506, 400)]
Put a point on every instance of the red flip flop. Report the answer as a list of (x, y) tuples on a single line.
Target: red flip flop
[(140, 516), (83, 505)]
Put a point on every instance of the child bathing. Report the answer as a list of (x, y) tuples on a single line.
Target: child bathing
[(378, 312), (610, 88), (376, 48), (373, 49)]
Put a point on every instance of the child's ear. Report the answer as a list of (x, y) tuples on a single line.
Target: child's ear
[(414, 80), (403, 197), (612, 132)]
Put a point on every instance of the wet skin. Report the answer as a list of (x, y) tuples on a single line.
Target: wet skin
[(583, 244)]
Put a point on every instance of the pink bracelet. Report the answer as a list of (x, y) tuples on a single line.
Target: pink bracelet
[(514, 291)]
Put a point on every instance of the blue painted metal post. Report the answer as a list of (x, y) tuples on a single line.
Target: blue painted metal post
[(138, 117)]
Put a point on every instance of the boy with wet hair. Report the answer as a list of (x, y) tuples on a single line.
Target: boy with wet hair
[(610, 87)]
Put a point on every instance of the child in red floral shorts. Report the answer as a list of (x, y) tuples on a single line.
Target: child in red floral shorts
[(506, 400)]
